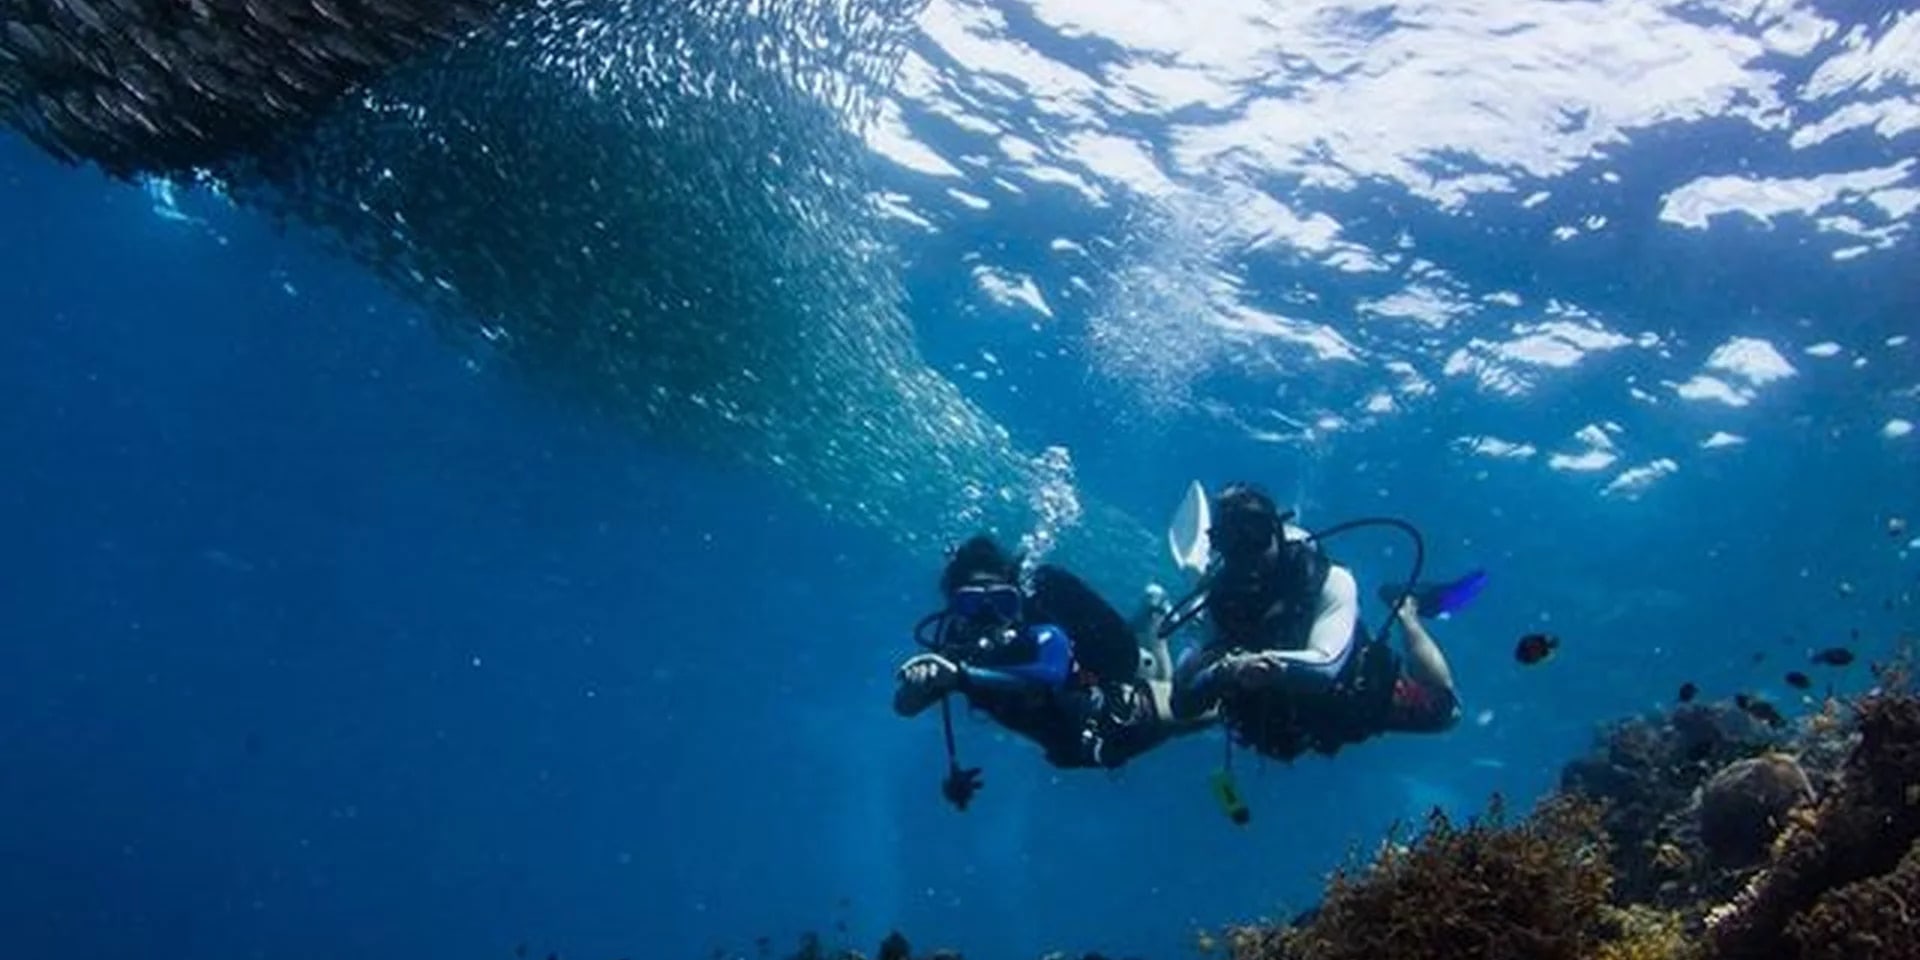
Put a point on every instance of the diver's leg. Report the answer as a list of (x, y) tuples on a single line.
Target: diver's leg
[(1162, 694), (1425, 663), (1146, 631), (1137, 718), (1196, 687)]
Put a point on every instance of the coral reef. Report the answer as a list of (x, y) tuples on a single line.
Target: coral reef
[(1735, 844), (1644, 933), (1842, 881), (894, 947), (1649, 772), (1698, 835), (1870, 920), (1744, 806), (1533, 890)]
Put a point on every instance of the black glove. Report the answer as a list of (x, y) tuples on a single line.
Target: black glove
[(960, 786)]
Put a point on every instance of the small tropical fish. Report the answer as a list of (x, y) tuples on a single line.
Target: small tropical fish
[(1535, 647), (1759, 656), (1798, 680), (1435, 599), (1759, 710), (1834, 657), (1687, 692)]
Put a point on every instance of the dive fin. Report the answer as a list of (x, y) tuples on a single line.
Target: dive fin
[(1187, 531), (1435, 599)]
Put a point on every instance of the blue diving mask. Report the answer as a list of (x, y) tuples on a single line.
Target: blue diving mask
[(977, 616), (999, 602)]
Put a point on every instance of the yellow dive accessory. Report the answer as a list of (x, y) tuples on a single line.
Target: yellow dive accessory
[(1229, 797)]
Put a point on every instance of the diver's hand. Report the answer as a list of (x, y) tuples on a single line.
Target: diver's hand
[(930, 673), (1154, 598), (1408, 612), (924, 681), (1252, 671)]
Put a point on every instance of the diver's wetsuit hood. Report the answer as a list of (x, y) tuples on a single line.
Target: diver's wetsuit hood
[(1246, 525)]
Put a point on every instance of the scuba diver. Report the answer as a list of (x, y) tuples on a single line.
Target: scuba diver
[(1287, 661), (1049, 660)]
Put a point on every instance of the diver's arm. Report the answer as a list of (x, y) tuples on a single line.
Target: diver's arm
[(1197, 682), (1053, 657), (1330, 640)]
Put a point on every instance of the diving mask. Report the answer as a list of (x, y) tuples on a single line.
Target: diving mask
[(1246, 533), (978, 617), (997, 602)]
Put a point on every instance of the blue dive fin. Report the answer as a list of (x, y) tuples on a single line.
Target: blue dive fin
[(1438, 598)]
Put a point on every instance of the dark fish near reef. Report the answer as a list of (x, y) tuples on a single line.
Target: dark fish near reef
[(1435, 599), (1798, 680), (1687, 692), (1833, 657), (1535, 647), (161, 86), (1759, 710)]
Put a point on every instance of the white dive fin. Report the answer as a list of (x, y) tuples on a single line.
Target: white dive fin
[(1187, 531)]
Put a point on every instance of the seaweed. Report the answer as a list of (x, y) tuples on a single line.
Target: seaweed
[(1531, 890), (1869, 920), (1645, 933)]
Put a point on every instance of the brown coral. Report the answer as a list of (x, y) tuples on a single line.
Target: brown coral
[(1876, 919), (1647, 769), (1743, 806), (1533, 890), (1859, 832), (1643, 933)]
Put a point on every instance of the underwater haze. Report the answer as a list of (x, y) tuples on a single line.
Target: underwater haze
[(486, 521)]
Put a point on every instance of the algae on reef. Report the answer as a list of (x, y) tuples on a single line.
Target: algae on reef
[(1838, 876)]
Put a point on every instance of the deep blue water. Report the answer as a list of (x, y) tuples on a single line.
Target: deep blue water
[(323, 639)]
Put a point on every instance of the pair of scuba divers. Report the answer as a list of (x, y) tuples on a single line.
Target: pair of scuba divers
[(1284, 665)]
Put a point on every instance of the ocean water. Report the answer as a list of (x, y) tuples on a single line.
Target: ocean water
[(354, 612)]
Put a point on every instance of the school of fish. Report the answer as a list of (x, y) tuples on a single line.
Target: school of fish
[(169, 86)]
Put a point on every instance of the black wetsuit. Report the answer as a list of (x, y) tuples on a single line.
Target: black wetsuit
[(1092, 711)]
